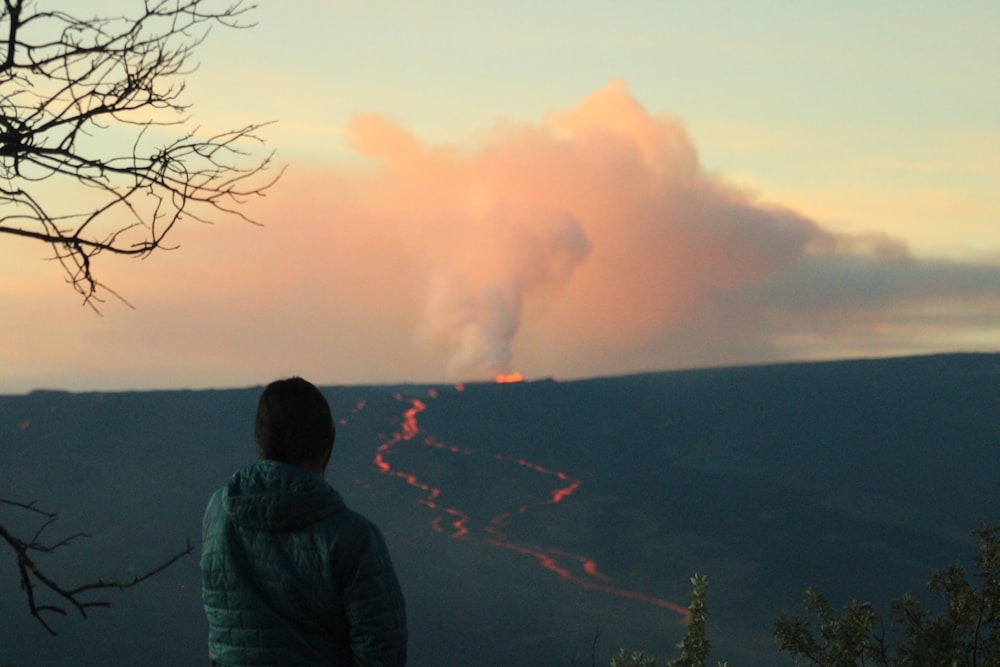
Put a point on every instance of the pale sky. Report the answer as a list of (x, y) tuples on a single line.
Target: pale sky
[(565, 189)]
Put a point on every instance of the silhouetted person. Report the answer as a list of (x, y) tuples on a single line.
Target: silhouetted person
[(290, 575)]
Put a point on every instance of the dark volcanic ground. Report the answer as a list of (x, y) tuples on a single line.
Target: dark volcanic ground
[(524, 518)]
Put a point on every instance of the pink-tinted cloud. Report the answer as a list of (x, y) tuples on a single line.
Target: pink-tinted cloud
[(591, 242)]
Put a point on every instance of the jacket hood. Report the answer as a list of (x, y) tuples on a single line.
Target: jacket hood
[(275, 496)]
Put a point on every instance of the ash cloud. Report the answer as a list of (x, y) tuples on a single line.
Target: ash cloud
[(591, 242), (598, 223)]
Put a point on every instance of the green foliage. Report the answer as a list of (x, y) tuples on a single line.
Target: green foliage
[(844, 640), (965, 633), (695, 646), (961, 630), (632, 659)]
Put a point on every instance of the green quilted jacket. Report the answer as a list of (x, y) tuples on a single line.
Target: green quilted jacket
[(291, 576)]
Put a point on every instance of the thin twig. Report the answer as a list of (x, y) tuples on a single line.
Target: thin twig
[(32, 576)]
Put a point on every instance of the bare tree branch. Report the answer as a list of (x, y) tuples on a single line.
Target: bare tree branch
[(97, 154), (33, 577), (94, 154)]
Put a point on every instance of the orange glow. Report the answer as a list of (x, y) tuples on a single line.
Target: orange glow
[(510, 377), (358, 407), (455, 523), (551, 560), (594, 231)]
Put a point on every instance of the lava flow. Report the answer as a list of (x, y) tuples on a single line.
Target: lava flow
[(570, 567)]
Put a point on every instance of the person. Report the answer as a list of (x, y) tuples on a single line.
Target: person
[(290, 575)]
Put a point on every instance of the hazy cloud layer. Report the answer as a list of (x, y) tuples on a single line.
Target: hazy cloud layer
[(592, 242)]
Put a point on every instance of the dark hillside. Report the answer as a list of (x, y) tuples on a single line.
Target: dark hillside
[(522, 516)]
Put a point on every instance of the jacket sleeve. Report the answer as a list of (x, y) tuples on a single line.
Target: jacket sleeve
[(374, 605)]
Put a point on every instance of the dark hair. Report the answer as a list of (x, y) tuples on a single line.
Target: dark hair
[(294, 424)]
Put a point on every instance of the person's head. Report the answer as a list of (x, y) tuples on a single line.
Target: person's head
[(294, 424)]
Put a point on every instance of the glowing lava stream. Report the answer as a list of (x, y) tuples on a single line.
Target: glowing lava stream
[(551, 559)]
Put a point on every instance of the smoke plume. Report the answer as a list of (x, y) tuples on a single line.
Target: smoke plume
[(590, 242)]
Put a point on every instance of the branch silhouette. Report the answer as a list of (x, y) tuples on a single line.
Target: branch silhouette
[(34, 577), (98, 155), (96, 151)]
